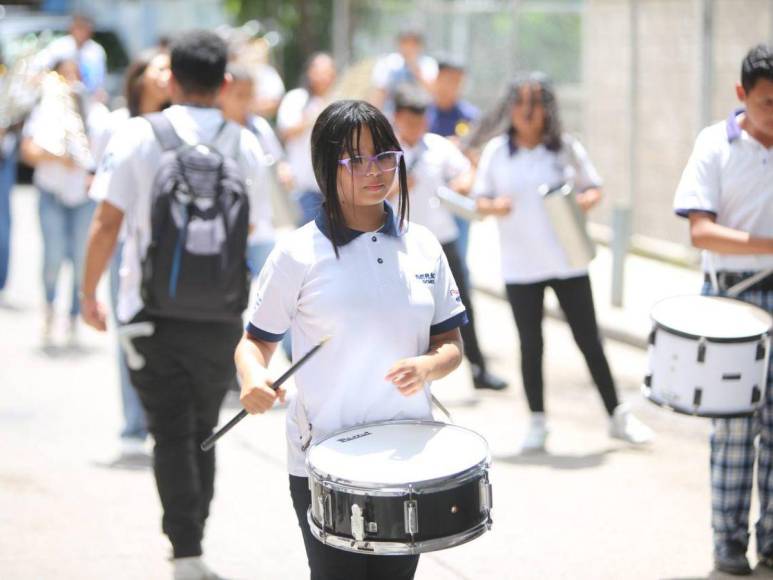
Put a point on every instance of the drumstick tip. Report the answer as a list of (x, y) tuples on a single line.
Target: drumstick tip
[(325, 339)]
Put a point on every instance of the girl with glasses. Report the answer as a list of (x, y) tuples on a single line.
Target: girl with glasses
[(379, 287)]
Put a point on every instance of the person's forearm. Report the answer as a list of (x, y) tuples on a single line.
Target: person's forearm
[(33, 154), (100, 248), (251, 358), (443, 358), (714, 237)]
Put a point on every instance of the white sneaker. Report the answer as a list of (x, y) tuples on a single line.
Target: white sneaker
[(48, 326), (133, 447), (193, 568), (624, 425), (72, 332), (536, 435)]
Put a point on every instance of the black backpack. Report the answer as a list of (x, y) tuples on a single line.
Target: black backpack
[(196, 265)]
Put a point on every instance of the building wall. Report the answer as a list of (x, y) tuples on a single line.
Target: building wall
[(669, 95)]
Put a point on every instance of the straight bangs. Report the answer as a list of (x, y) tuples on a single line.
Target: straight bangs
[(336, 135)]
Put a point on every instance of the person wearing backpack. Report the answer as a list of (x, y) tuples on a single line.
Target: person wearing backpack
[(188, 185)]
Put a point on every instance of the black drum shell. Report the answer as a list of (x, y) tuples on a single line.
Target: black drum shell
[(441, 513)]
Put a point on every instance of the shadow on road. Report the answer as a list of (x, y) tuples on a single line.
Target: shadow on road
[(128, 462), (557, 461), (759, 571)]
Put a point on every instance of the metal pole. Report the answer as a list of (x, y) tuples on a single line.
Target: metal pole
[(622, 213), (342, 49), (707, 62)]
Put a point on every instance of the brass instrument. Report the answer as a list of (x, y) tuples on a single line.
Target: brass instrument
[(20, 86), (66, 135)]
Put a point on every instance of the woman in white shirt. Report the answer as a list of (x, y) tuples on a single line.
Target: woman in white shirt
[(529, 151), (146, 90), (379, 287), (55, 142)]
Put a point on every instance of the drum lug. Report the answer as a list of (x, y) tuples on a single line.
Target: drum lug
[(651, 337), (485, 494), (702, 350), (761, 348), (358, 523), (756, 394), (324, 507), (411, 515)]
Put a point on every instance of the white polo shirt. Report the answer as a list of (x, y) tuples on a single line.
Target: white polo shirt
[(379, 302), (296, 105), (129, 166), (530, 251), (433, 162), (730, 174)]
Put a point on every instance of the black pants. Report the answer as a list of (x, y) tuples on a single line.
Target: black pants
[(328, 563), (576, 300), (470, 338), (188, 368)]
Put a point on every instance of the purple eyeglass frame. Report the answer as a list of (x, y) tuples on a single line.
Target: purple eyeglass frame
[(371, 162)]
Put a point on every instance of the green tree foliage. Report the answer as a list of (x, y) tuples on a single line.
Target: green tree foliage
[(304, 24)]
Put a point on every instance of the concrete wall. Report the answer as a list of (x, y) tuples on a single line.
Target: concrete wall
[(669, 94)]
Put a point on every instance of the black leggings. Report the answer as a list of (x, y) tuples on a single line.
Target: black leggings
[(327, 563), (576, 300), (469, 337)]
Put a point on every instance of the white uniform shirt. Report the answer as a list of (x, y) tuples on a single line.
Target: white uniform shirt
[(379, 302), (730, 174), (103, 131), (390, 71), (129, 166), (91, 59), (297, 105), (530, 250), (262, 129), (433, 162), (67, 184)]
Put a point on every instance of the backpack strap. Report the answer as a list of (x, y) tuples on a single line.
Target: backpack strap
[(164, 131)]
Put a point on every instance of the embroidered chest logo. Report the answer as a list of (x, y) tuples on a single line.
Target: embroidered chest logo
[(428, 278)]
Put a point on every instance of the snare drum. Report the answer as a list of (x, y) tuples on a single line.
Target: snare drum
[(399, 487), (708, 356)]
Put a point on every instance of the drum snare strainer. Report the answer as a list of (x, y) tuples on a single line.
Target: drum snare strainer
[(708, 356), (399, 487)]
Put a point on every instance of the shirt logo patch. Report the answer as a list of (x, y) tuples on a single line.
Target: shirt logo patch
[(455, 295), (428, 278)]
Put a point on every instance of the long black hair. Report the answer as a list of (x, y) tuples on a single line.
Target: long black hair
[(499, 119), (337, 132)]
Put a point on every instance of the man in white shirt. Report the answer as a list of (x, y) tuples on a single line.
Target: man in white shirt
[(181, 367), (407, 66), (726, 192), (433, 162), (80, 47)]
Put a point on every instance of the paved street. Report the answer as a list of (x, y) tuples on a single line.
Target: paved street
[(592, 508)]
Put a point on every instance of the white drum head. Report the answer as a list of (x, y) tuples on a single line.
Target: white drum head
[(712, 317), (395, 453)]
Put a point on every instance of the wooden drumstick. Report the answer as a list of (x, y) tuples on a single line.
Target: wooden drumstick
[(209, 442)]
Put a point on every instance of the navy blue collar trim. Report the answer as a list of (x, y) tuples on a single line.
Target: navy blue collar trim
[(347, 235), (512, 148), (733, 128)]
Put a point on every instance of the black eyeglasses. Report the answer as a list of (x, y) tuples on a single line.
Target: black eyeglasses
[(383, 162)]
